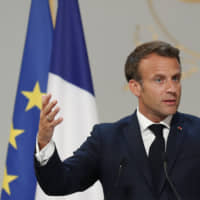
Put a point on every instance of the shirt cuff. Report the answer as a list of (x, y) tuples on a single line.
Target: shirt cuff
[(45, 153)]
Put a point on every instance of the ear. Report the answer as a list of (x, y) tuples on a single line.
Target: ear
[(135, 87)]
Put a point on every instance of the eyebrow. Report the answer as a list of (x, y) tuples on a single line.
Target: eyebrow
[(163, 75)]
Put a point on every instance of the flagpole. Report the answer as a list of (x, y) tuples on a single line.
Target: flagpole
[(53, 11)]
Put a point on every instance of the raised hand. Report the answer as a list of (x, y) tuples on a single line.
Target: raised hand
[(47, 120)]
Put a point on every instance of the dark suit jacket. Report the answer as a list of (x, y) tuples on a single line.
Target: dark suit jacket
[(115, 155)]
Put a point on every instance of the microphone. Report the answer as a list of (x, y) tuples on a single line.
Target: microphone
[(122, 164), (176, 194)]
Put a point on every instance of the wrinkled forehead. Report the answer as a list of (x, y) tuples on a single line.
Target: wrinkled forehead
[(156, 64)]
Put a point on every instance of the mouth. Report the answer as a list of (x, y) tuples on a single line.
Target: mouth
[(170, 102)]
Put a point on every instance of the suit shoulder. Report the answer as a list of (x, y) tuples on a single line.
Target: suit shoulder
[(190, 118), (113, 126)]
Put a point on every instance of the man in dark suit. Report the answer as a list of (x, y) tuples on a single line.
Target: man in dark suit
[(153, 154)]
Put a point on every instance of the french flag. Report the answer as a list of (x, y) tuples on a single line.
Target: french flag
[(70, 83)]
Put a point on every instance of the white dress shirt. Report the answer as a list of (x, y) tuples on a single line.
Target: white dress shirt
[(45, 154), (147, 136)]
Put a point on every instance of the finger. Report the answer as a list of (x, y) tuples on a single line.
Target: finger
[(52, 115), (50, 106), (57, 121), (45, 100)]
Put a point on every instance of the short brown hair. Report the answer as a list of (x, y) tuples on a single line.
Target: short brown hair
[(142, 51)]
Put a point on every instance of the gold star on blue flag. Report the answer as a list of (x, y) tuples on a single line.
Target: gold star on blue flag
[(19, 177)]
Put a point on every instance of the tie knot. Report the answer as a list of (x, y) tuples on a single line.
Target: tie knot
[(157, 129)]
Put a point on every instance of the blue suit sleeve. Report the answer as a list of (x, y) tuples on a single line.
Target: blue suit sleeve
[(74, 174)]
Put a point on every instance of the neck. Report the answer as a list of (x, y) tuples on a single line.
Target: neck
[(152, 117)]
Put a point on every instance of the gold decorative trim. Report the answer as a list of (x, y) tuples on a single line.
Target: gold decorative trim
[(189, 51), (190, 1), (137, 35)]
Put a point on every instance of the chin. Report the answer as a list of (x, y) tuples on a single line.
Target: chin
[(166, 112), (171, 112)]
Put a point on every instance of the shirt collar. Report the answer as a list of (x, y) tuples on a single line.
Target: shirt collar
[(144, 122)]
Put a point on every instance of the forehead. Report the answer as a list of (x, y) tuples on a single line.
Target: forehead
[(155, 64)]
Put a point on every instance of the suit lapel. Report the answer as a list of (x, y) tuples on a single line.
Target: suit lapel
[(175, 139), (136, 147), (174, 143)]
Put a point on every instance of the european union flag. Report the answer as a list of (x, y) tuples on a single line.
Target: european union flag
[(19, 180)]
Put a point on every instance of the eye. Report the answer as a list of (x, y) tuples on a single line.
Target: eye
[(158, 80), (176, 78)]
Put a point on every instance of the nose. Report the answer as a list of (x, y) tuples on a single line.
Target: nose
[(171, 86)]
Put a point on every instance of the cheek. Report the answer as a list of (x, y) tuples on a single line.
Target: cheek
[(150, 97), (179, 94), (154, 91), (180, 89)]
